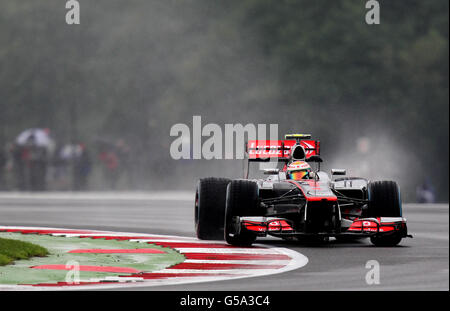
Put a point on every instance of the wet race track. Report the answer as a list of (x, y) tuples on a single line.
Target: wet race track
[(420, 263)]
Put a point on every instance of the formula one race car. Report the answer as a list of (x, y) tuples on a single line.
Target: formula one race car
[(297, 202)]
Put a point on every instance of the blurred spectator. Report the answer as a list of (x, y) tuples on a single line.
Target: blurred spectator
[(425, 192), (60, 165), (110, 163), (66, 159), (123, 151), (74, 162), (30, 159), (37, 165), (3, 161), (19, 155), (82, 168)]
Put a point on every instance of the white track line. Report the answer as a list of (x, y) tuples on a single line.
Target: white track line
[(241, 262), (212, 273), (156, 240), (259, 251)]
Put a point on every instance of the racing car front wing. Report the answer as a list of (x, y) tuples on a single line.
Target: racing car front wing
[(363, 227)]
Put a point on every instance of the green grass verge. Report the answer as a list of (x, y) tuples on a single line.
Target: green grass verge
[(11, 250)]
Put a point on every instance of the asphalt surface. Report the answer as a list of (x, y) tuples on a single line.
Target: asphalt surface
[(421, 263)]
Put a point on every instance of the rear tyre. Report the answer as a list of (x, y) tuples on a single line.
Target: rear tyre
[(210, 208), (242, 200), (384, 201)]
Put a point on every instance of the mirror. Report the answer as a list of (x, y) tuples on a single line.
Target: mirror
[(338, 171), (314, 158), (271, 171)]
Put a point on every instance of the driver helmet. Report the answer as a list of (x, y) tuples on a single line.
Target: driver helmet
[(298, 170)]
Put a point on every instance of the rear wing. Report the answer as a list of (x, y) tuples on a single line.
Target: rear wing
[(266, 150)]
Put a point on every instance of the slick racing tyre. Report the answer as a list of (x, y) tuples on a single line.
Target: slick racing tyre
[(242, 200), (210, 208), (384, 201), (388, 241)]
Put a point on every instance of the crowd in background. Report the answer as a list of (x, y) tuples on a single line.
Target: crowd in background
[(33, 164)]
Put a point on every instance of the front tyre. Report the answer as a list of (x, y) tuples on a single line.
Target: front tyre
[(242, 200), (387, 241), (384, 201), (210, 208)]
